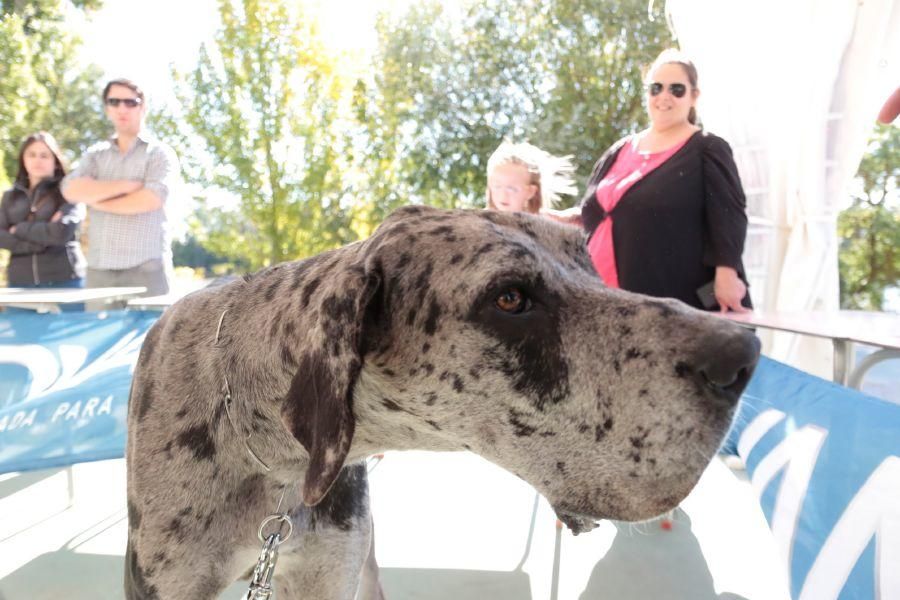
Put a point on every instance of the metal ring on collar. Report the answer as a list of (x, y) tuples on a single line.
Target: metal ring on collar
[(284, 518)]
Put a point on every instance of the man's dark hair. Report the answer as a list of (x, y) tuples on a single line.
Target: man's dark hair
[(126, 83)]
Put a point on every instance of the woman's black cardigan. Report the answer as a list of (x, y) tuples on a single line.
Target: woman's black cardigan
[(673, 227), (43, 250)]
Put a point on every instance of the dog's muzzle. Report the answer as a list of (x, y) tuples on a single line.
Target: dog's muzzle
[(577, 523)]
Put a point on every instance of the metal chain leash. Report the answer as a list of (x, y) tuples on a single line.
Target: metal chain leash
[(261, 582)]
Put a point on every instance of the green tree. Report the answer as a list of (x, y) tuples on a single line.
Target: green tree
[(869, 254), (442, 96), (43, 84), (264, 105), (16, 86), (595, 52), (446, 89), (41, 10), (191, 253)]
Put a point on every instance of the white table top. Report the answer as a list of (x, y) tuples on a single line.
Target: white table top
[(19, 296), (154, 302), (864, 327)]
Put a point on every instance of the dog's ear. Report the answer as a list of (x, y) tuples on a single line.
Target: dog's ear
[(318, 408)]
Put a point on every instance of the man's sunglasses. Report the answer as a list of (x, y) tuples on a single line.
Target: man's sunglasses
[(676, 89), (129, 102)]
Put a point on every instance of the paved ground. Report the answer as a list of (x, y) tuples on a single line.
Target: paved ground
[(449, 526)]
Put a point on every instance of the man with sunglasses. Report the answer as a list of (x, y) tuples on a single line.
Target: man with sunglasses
[(125, 182)]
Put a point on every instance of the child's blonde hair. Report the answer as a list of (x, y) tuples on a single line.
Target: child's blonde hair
[(551, 174)]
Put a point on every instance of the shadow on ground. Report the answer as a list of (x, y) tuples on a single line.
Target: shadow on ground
[(447, 584), (648, 562), (21, 481), (59, 574), (642, 563)]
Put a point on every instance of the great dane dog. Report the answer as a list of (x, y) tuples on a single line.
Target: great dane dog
[(445, 330)]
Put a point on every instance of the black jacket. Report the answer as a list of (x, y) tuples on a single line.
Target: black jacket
[(673, 228), (43, 250)]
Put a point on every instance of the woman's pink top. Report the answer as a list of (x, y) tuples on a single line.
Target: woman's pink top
[(630, 167)]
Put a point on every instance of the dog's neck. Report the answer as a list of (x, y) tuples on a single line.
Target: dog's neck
[(384, 423), (266, 447)]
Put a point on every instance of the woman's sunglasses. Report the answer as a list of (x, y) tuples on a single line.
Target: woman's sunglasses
[(129, 102), (676, 89)]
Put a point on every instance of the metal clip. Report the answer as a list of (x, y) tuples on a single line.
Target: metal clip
[(226, 398), (216, 343), (261, 582)]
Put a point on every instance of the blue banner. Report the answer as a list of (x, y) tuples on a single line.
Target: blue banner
[(825, 461), (64, 384)]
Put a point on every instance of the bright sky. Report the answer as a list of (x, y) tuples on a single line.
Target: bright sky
[(140, 40)]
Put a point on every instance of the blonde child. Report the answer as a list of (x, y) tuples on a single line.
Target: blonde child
[(523, 178)]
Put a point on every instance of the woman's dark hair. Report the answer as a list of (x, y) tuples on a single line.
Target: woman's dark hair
[(50, 141), (125, 83), (677, 57)]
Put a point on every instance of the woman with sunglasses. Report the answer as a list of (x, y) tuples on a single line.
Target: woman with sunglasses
[(37, 226), (664, 207)]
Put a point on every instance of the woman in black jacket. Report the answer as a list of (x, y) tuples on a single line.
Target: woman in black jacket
[(664, 208), (37, 226)]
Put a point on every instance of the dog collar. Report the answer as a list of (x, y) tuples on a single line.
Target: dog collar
[(228, 400)]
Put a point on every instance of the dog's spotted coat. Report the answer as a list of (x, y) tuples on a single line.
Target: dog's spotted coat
[(446, 330)]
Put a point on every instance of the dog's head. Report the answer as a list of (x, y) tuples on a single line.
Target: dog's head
[(491, 332)]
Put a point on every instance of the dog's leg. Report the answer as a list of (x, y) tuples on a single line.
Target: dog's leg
[(329, 566), (332, 540), (369, 585), (173, 576)]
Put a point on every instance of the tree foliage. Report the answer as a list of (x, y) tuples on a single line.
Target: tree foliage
[(264, 105), (565, 74), (44, 84), (869, 255), (267, 104), (597, 52), (191, 253)]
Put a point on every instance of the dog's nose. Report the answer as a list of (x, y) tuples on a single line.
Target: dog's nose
[(726, 358)]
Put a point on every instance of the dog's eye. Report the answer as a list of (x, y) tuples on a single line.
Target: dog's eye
[(513, 301)]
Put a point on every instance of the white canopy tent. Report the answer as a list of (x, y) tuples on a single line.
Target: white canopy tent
[(794, 86)]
